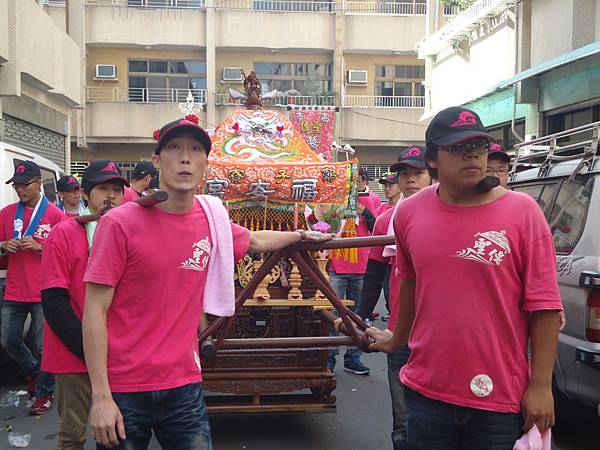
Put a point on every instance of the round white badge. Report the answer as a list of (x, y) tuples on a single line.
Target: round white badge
[(482, 385)]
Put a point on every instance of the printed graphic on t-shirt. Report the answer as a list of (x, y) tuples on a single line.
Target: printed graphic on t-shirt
[(490, 248), (42, 231), (200, 256)]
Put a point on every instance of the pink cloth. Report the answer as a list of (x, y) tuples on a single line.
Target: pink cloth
[(129, 195), (394, 293), (480, 271), (25, 266), (380, 229), (375, 201), (219, 292), (340, 265), (157, 262), (64, 259), (382, 208), (534, 440), (390, 250)]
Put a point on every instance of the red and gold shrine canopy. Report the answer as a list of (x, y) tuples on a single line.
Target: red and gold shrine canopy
[(258, 156)]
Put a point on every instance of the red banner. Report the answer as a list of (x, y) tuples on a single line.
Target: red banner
[(316, 128)]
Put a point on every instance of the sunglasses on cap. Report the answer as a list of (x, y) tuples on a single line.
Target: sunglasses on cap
[(465, 148)]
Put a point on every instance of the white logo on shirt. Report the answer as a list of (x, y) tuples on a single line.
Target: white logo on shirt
[(482, 385), (42, 231), (490, 248), (200, 256)]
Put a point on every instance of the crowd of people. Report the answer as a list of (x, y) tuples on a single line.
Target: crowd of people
[(470, 288)]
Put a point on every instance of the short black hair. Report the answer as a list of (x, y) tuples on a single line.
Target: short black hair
[(431, 155)]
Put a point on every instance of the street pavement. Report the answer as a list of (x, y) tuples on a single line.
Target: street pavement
[(362, 421)]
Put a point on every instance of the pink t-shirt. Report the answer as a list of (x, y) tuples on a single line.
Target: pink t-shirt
[(72, 214), (383, 208), (375, 201), (64, 260), (480, 271), (380, 229), (341, 265), (129, 195), (24, 267), (157, 263)]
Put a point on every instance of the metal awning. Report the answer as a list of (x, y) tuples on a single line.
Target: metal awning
[(551, 64)]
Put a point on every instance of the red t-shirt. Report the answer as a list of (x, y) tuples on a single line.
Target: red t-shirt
[(394, 292), (375, 201), (152, 323), (72, 214), (380, 229), (383, 207), (24, 267), (341, 265), (64, 260), (480, 271), (129, 195)]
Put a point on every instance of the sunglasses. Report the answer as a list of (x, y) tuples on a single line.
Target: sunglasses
[(23, 185), (465, 148)]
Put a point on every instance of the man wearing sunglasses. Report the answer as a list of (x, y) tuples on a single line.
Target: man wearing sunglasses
[(477, 266), (498, 164), (24, 227)]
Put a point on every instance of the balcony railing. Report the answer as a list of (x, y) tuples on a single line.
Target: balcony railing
[(142, 95), (54, 2), (385, 8), (382, 101), (170, 4), (284, 100), (276, 5), (462, 25)]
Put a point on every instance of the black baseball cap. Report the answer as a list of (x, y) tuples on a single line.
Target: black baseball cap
[(67, 183), (144, 168), (497, 152), (413, 156), (453, 125), (101, 171), (24, 172), (187, 124), (390, 178)]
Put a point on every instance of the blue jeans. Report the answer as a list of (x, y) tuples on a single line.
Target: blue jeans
[(27, 352), (177, 416), (396, 361), (435, 425), (346, 286)]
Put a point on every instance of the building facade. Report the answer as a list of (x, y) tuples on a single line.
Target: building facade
[(530, 68), (40, 78), (142, 58)]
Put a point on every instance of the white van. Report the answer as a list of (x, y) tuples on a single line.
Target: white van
[(10, 157), (564, 178)]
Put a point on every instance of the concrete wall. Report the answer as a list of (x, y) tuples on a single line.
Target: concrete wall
[(382, 127), (239, 29), (551, 29), (471, 71), (115, 26), (384, 33), (134, 122), (3, 31), (58, 15)]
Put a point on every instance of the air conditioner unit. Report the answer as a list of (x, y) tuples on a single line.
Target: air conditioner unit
[(106, 71), (232, 74), (357, 77)]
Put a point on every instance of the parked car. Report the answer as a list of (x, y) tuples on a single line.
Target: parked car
[(10, 157), (566, 185)]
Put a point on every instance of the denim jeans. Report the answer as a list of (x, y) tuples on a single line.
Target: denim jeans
[(376, 277), (177, 416), (28, 357), (435, 425), (395, 362), (346, 286)]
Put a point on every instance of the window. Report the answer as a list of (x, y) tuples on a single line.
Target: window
[(166, 81), (399, 81), (307, 78), (542, 193), (291, 5), (569, 213), (504, 136), (558, 122)]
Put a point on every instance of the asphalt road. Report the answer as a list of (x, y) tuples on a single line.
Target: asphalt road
[(362, 421)]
